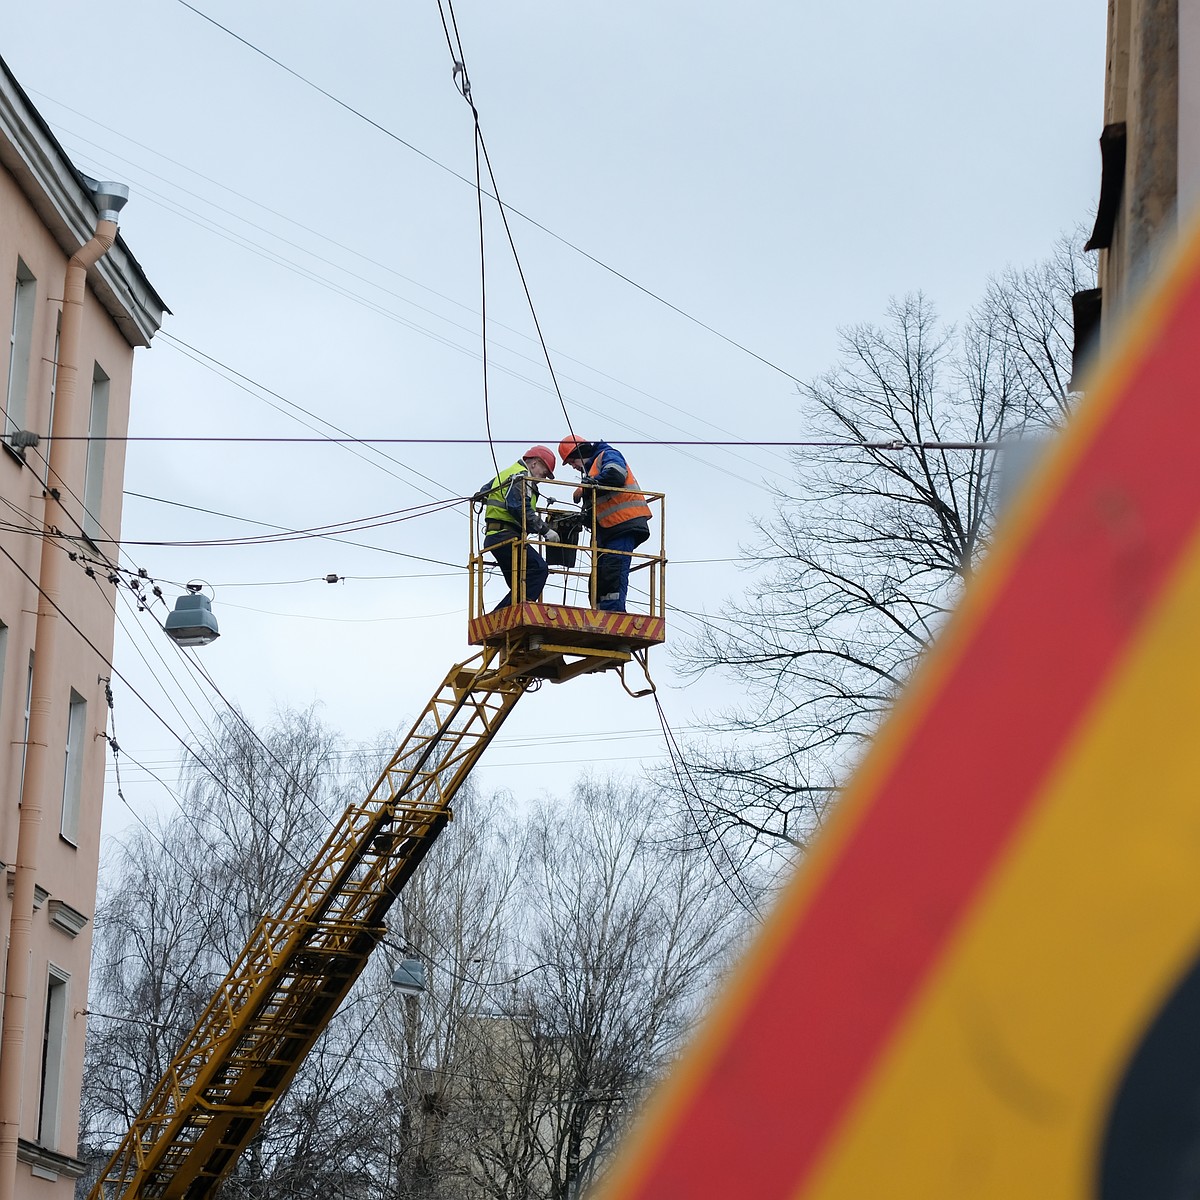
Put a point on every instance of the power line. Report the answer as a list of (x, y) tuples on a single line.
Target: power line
[(504, 207), (749, 443), (180, 209), (680, 767), (274, 257), (268, 525), (345, 437), (459, 58)]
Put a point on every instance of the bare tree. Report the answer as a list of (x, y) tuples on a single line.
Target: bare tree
[(182, 899), (458, 915), (625, 938), (867, 552), (566, 950)]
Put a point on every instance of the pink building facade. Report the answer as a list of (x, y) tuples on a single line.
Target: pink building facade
[(53, 667)]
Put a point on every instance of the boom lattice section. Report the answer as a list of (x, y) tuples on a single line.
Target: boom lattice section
[(299, 964)]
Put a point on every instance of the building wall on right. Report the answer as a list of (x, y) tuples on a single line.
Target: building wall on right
[(1150, 146), (1189, 110)]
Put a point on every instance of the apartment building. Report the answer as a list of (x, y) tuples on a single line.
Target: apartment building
[(75, 305)]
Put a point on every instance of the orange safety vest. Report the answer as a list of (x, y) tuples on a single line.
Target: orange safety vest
[(613, 507)]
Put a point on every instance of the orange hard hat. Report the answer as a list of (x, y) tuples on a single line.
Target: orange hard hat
[(545, 454), (570, 445)]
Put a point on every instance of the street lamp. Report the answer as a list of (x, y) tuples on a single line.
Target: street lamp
[(409, 977), (191, 622)]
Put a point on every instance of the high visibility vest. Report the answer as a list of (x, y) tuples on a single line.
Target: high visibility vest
[(498, 489), (613, 507)]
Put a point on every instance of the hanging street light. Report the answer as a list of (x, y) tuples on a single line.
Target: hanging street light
[(409, 977), (191, 622)]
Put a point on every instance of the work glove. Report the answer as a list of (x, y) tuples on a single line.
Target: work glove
[(550, 535)]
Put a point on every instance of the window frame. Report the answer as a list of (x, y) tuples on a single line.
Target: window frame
[(53, 1056), (20, 354), (25, 734), (93, 474), (73, 755)]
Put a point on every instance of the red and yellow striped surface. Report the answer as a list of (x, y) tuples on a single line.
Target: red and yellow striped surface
[(948, 996), (637, 628)]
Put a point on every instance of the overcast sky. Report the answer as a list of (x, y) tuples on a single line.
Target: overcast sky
[(776, 169)]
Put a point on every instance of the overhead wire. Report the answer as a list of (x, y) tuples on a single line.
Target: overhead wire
[(301, 535), (679, 765), (459, 59), (199, 355), (702, 620), (283, 534), (273, 257), (546, 358), (188, 748), (104, 658), (201, 673), (254, 521), (465, 88), (792, 444), (351, 757), (349, 250), (504, 207), (440, 339)]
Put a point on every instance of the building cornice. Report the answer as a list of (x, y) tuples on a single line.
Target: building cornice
[(49, 1164), (56, 190)]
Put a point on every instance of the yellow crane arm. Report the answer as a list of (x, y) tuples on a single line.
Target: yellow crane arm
[(299, 964)]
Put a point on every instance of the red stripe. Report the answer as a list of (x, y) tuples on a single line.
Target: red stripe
[(777, 1091)]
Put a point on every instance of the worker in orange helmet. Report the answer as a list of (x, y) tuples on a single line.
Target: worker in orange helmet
[(510, 515), (612, 499)]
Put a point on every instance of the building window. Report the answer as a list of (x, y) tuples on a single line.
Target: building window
[(20, 344), (93, 479), (73, 767), (25, 732), (54, 1039)]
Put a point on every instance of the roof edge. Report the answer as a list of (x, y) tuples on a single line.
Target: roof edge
[(57, 191)]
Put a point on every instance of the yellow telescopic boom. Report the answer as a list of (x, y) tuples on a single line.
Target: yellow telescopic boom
[(299, 965)]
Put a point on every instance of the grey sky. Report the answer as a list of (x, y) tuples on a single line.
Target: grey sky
[(774, 168)]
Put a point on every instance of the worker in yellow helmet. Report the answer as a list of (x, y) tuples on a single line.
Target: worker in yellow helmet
[(622, 516), (510, 515)]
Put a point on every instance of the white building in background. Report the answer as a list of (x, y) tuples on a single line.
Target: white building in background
[(53, 667)]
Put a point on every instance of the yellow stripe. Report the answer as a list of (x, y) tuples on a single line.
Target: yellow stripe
[(999, 1083)]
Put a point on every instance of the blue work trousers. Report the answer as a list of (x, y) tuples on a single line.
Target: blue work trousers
[(505, 548), (612, 570)]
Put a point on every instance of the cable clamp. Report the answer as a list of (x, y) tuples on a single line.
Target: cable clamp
[(464, 86)]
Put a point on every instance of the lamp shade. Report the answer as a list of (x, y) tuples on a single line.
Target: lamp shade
[(191, 622), (409, 977)]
